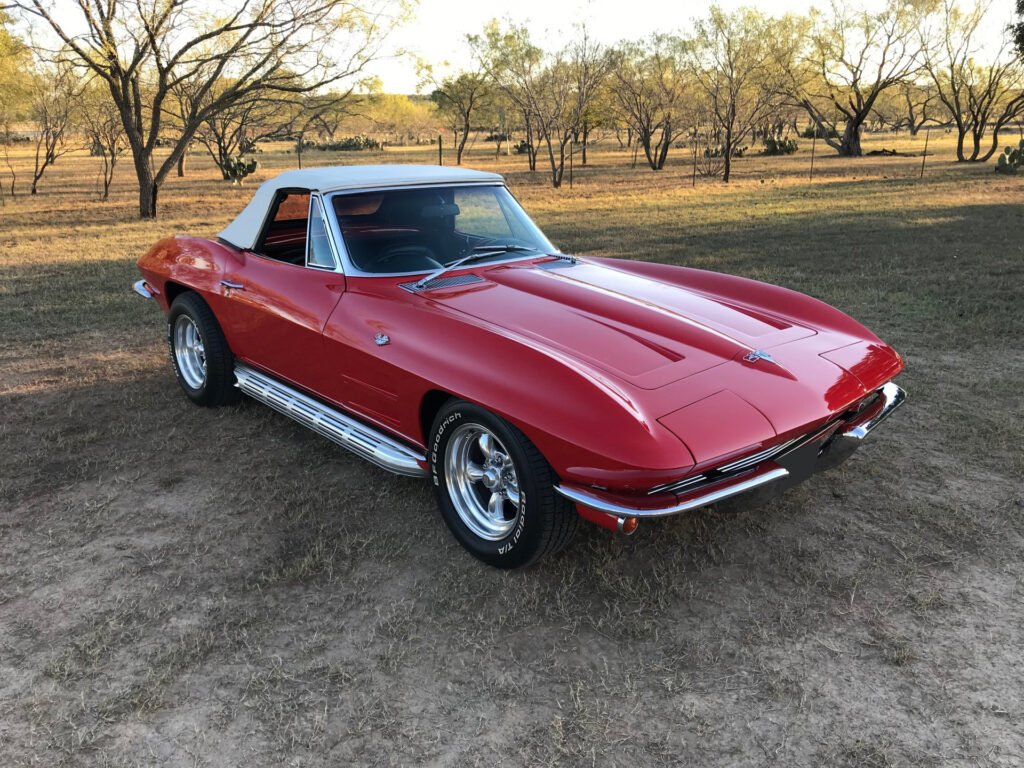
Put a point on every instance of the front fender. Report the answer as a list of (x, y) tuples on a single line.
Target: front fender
[(589, 427)]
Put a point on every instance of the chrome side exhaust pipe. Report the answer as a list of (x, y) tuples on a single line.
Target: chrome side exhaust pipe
[(361, 439)]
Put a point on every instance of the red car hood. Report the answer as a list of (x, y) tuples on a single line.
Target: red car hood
[(640, 330)]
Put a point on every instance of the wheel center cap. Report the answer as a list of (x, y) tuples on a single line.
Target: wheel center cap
[(492, 478)]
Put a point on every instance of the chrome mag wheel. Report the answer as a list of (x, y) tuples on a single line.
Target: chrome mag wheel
[(189, 352), (482, 482)]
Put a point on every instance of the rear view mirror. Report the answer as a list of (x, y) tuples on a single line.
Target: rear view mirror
[(440, 211)]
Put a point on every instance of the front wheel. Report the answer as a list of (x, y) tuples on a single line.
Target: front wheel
[(495, 490)]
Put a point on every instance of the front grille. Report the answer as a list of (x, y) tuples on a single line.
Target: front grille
[(734, 467)]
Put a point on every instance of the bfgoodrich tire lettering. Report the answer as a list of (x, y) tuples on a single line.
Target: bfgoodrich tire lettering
[(202, 361), (494, 489)]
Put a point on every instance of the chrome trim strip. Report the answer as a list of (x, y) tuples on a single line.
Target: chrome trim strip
[(580, 497), (140, 288), (893, 396), (361, 439), (758, 457)]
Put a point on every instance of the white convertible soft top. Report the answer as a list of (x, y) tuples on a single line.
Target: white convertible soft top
[(243, 231)]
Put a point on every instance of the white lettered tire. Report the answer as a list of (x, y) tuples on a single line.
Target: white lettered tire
[(494, 489)]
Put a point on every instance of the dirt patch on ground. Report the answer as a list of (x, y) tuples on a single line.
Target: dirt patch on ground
[(189, 587)]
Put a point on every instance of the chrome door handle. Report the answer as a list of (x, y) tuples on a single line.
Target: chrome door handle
[(232, 286)]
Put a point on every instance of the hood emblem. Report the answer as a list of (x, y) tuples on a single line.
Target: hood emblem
[(756, 354), (381, 339)]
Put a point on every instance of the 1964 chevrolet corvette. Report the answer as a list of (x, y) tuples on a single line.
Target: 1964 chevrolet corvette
[(418, 317)]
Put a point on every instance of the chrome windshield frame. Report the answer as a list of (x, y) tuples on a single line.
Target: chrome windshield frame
[(349, 267)]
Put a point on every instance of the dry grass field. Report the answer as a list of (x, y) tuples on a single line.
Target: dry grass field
[(184, 587)]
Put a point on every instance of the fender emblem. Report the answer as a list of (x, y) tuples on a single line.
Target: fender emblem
[(756, 354), (381, 339)]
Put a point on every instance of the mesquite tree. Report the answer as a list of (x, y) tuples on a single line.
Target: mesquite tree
[(735, 65), (851, 57), (553, 91), (980, 97), (54, 98), (144, 51), (650, 84), (459, 98), (101, 124)]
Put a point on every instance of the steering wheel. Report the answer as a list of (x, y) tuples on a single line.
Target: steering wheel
[(406, 258)]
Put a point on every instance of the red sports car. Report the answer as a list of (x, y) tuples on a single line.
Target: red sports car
[(417, 316)]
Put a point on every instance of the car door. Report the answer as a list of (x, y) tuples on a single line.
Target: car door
[(279, 295)]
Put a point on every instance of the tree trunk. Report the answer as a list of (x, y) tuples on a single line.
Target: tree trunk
[(181, 165), (643, 138), (586, 136), (727, 149), (666, 139), (147, 190), (462, 144), (849, 145), (995, 144)]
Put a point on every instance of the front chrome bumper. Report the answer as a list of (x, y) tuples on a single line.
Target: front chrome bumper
[(142, 288), (820, 450)]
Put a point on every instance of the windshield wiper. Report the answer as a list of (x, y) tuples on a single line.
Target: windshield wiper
[(502, 247), (479, 252)]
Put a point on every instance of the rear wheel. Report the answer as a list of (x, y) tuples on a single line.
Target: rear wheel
[(202, 361), (495, 490)]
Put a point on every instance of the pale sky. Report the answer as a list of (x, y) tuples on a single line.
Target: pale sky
[(438, 29)]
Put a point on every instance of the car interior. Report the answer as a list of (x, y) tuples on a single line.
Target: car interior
[(284, 237), (400, 231)]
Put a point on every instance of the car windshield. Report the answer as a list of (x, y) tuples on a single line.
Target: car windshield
[(421, 230)]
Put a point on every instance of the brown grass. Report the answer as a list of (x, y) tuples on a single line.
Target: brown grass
[(187, 587)]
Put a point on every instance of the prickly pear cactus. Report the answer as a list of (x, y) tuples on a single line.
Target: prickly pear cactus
[(1012, 160), (237, 168)]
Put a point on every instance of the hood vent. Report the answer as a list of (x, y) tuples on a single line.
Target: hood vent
[(558, 263), (441, 282)]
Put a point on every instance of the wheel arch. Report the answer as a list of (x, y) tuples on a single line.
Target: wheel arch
[(430, 405)]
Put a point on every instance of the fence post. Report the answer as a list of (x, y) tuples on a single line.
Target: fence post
[(924, 155), (440, 156), (814, 143)]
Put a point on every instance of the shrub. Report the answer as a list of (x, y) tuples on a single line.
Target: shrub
[(496, 137), (346, 144), (522, 148), (1011, 160), (719, 151), (777, 145), (811, 132)]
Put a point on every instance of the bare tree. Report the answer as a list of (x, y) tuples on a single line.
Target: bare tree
[(296, 117), (101, 124), (514, 64), (16, 86), (54, 99), (1018, 29), (852, 56), (650, 82), (919, 102), (553, 92), (734, 64), (458, 98), (979, 97), (144, 51)]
